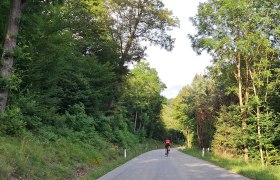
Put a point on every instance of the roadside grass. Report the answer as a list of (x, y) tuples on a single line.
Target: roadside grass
[(32, 158), (253, 170), (27, 158), (132, 152)]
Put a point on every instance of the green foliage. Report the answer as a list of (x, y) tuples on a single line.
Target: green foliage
[(77, 120), (125, 139), (11, 83), (3, 83), (12, 122), (59, 67), (183, 113), (174, 131), (194, 108), (8, 54), (176, 136), (135, 21), (227, 137), (4, 13), (26, 158), (270, 133), (167, 115), (31, 112), (65, 89), (143, 101), (30, 157), (14, 82), (242, 38)]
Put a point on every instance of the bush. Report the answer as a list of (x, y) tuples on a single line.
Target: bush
[(11, 122), (103, 126), (125, 138), (30, 110), (47, 133), (78, 120), (227, 137)]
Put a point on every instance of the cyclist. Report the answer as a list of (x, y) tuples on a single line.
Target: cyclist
[(167, 146)]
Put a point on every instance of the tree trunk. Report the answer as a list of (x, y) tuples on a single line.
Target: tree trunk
[(242, 111), (198, 130), (258, 119), (131, 37), (125, 51), (259, 135), (9, 46), (135, 120), (267, 68), (188, 135)]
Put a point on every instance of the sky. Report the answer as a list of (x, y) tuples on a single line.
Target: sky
[(177, 68)]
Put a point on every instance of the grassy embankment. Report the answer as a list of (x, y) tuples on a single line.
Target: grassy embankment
[(253, 170), (32, 158)]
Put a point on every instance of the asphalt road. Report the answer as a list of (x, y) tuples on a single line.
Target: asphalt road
[(154, 165)]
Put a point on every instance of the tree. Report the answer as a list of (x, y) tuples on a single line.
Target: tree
[(227, 137), (10, 41), (143, 100), (173, 126), (184, 113), (167, 115), (16, 9), (135, 21), (4, 15), (68, 57), (238, 36)]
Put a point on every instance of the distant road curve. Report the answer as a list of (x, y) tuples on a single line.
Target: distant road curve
[(154, 165)]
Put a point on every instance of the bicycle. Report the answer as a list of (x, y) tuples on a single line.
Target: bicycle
[(167, 151)]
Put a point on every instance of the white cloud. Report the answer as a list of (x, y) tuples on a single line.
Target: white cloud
[(177, 68)]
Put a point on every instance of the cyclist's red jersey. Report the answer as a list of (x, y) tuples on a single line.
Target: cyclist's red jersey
[(167, 141)]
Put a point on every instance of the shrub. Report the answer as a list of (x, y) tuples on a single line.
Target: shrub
[(78, 120), (227, 138), (11, 122)]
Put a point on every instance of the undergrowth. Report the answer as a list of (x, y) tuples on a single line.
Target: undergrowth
[(32, 158)]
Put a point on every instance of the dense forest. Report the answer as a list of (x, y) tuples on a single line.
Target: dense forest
[(66, 86), (69, 101), (234, 108)]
